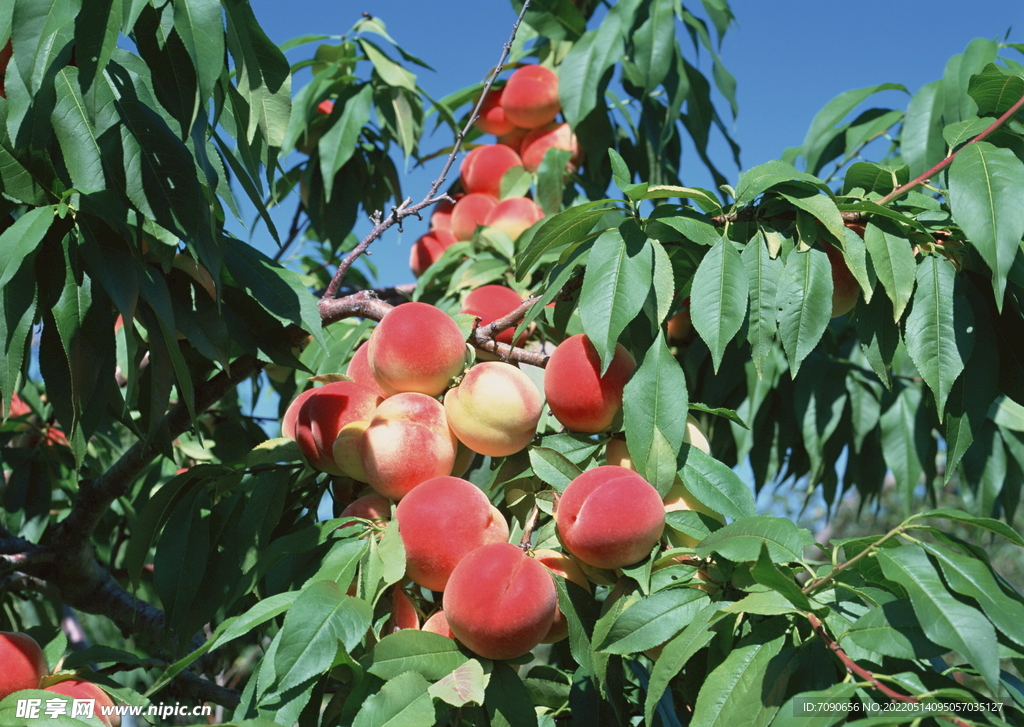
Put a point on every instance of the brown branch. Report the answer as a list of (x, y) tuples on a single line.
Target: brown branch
[(855, 669), (531, 523), (406, 209)]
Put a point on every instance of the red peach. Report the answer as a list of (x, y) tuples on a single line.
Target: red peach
[(514, 139), (499, 602), (610, 517), (514, 216), (408, 442), (24, 664), (416, 347), (322, 416), (679, 329), (845, 288), (530, 98), (490, 302), (373, 507), (491, 119), (551, 136), (81, 689), (5, 56), (484, 166), (359, 371), (470, 212), (495, 410), (347, 450), (291, 414), (441, 521), (579, 397), (441, 219), (438, 624), (428, 249), (403, 612)]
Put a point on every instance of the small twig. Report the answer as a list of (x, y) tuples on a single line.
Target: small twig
[(406, 209), (531, 523), (870, 550)]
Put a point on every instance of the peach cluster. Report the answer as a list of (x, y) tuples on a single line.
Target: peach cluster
[(522, 115)]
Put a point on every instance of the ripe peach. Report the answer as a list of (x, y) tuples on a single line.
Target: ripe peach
[(499, 602), (579, 397), (490, 302), (403, 612), (441, 219), (563, 566), (845, 288), (81, 689), (346, 450), (551, 136), (322, 416), (679, 329), (23, 663), (408, 442), (291, 414), (359, 371), (484, 166), (495, 410), (428, 249), (680, 498), (373, 507), (470, 212), (441, 521), (514, 216), (610, 517), (491, 119), (514, 139), (438, 624), (416, 347), (530, 98)]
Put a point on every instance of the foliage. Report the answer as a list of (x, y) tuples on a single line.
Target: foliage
[(164, 511)]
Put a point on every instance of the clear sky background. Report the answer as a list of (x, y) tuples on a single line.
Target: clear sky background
[(789, 57)]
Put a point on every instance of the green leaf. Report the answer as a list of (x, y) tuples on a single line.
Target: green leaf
[(995, 526), (986, 195), (893, 261), (553, 467), (946, 621), (389, 71), (321, 620), (821, 206), (73, 129), (20, 241), (338, 143), (653, 620), (402, 702), (804, 303), (615, 284), (554, 19), (654, 45), (905, 442), (507, 699), (741, 540), (181, 557), (200, 24), (720, 294), (763, 274), (654, 408), (41, 33), (431, 655), (96, 35), (874, 178), (939, 332), (770, 174), (799, 709), (560, 230), (768, 574), (893, 630), (921, 143), (464, 685), (995, 89), (715, 485)]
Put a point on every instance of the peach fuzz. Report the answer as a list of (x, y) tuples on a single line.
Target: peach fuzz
[(416, 348), (470, 212), (562, 566), (441, 219), (23, 663), (514, 216), (491, 302), (514, 139), (346, 450), (579, 397), (530, 98), (403, 612), (438, 624), (359, 371), (484, 166), (428, 249), (491, 118), (610, 517), (495, 410), (499, 602), (408, 442), (441, 521), (81, 689), (552, 136), (324, 413)]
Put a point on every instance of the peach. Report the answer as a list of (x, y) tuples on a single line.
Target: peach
[(680, 498), (359, 371), (441, 219), (403, 612), (562, 566), (346, 450), (438, 624), (495, 410), (490, 302), (5, 57), (324, 414), (514, 139), (373, 507), (552, 136), (441, 521), (408, 442), (484, 166), (470, 212), (23, 663), (845, 288), (679, 329), (491, 117), (428, 249), (81, 689), (514, 216), (617, 452), (291, 414), (416, 347), (530, 98), (499, 602), (610, 517), (579, 397)]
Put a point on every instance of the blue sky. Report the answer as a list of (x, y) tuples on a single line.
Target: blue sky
[(789, 58)]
